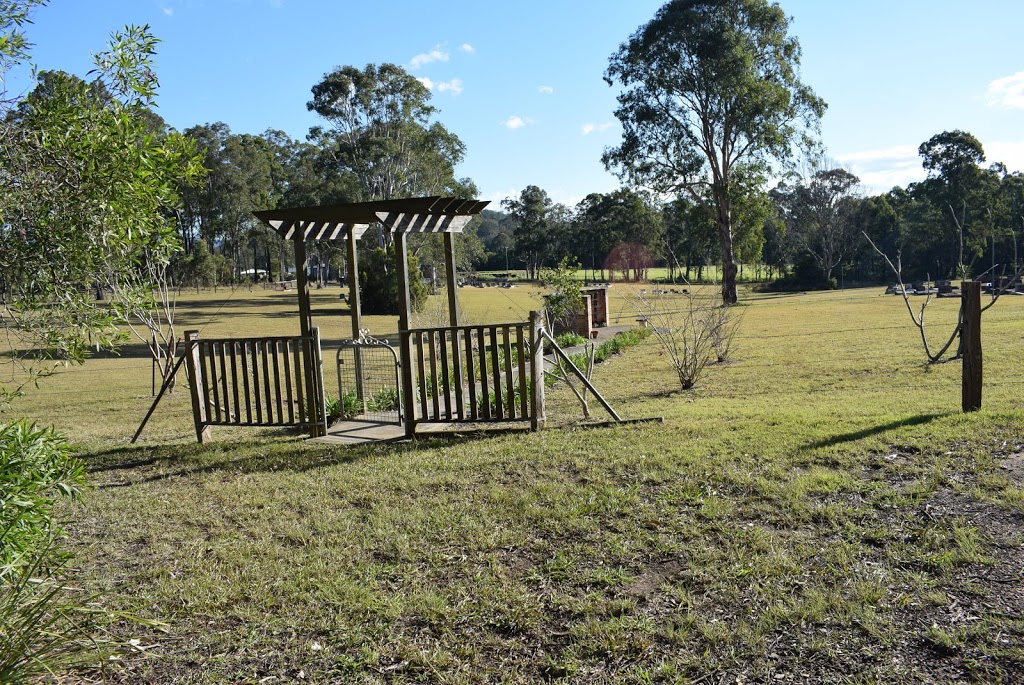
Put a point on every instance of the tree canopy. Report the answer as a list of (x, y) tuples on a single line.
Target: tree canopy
[(380, 132), (711, 88), (89, 185)]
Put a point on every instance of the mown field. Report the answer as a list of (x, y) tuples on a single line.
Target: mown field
[(818, 510)]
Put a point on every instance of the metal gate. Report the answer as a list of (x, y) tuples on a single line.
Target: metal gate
[(369, 385)]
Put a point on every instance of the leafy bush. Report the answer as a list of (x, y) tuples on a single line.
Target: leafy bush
[(36, 469), (492, 403), (378, 283), (44, 624), (385, 399), (333, 407), (570, 339)]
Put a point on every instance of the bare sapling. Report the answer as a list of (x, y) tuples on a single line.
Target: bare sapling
[(726, 322), (693, 330), (147, 305), (918, 316), (561, 372)]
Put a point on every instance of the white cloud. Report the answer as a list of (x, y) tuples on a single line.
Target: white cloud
[(466, 47), (424, 58), (498, 196), (1010, 153), (454, 86), (587, 129), (169, 11), (1007, 92), (546, 90), (880, 170), (516, 122)]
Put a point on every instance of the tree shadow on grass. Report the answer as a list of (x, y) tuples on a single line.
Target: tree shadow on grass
[(128, 466), (135, 465), (854, 436)]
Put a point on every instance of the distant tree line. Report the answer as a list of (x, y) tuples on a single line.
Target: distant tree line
[(804, 228), (965, 219)]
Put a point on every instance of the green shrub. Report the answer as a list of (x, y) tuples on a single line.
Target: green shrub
[(36, 470), (385, 399), (492, 403), (350, 405), (44, 624), (570, 339)]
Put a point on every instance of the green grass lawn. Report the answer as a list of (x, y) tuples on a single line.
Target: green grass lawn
[(817, 510)]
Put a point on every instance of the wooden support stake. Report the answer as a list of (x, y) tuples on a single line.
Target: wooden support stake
[(581, 376), (971, 337), (152, 408), (194, 368)]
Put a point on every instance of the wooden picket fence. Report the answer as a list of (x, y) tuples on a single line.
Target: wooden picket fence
[(268, 381), (482, 373)]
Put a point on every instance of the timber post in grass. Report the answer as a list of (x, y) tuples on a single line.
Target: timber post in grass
[(451, 275), (405, 342), (970, 336), (537, 417), (400, 217), (355, 307), (195, 381), (301, 263)]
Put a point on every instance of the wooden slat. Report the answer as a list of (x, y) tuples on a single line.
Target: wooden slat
[(297, 351), (275, 346), (286, 352), (245, 380), (470, 375), (446, 380), (234, 381), (510, 393), (224, 383), (256, 400), (422, 375), (460, 400), (524, 411), (435, 400), (499, 410), (206, 379), (267, 397), (211, 373), (485, 396)]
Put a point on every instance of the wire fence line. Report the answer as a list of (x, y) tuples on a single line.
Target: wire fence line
[(140, 371)]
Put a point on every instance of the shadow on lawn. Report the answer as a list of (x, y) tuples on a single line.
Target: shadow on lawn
[(853, 436), (128, 466)]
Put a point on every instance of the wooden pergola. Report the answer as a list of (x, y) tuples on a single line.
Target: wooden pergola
[(401, 217)]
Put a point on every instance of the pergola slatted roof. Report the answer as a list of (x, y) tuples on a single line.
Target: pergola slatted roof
[(433, 214)]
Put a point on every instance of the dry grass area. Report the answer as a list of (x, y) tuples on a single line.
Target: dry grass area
[(817, 510)]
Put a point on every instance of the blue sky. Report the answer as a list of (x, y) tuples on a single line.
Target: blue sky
[(521, 83)]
